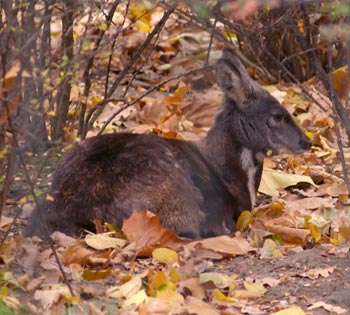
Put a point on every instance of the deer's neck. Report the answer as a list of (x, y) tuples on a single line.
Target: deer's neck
[(238, 167)]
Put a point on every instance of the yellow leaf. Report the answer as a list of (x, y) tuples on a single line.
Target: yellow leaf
[(93, 275), (169, 293), (222, 297), (175, 277), (51, 113), (138, 298), (244, 220), (258, 287), (165, 255), (229, 34), (159, 280), (23, 200), (104, 27), (296, 310), (315, 231), (271, 248), (127, 289), (220, 280), (143, 27), (49, 197), (104, 241), (272, 180), (4, 291), (140, 13)]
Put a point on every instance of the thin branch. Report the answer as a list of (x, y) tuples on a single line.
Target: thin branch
[(337, 121), (31, 185), (155, 87), (90, 62), (95, 112)]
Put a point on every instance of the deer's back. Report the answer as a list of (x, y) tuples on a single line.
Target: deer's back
[(110, 176)]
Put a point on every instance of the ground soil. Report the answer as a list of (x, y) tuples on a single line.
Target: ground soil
[(294, 288)]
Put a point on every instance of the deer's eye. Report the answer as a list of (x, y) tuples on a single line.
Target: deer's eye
[(278, 117)]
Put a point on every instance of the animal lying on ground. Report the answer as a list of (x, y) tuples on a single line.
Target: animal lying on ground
[(196, 189)]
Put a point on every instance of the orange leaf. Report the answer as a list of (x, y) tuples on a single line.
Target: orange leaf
[(145, 230)]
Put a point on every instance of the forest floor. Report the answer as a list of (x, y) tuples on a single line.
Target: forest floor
[(286, 279)]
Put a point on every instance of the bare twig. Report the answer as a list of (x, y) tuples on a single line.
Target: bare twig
[(96, 111), (153, 88), (337, 129), (90, 62), (31, 185)]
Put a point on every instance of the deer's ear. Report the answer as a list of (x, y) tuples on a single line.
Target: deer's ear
[(230, 81), (235, 81)]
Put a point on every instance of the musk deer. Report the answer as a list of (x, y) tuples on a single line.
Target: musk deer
[(196, 189)]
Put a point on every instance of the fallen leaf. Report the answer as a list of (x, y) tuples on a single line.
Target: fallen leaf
[(165, 255), (103, 241), (193, 285), (5, 221), (287, 228), (315, 273), (198, 306), (217, 294), (126, 290), (310, 203), (328, 307), (169, 293), (93, 275), (220, 280), (258, 287), (273, 180), (228, 245), (35, 283), (296, 310), (47, 298), (137, 299), (62, 239), (145, 230), (80, 254)]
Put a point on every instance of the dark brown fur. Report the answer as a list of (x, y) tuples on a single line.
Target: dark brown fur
[(197, 190)]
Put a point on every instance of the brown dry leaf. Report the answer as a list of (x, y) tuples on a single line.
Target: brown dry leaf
[(328, 307), (224, 244), (296, 310), (245, 294), (156, 306), (194, 286), (315, 273), (35, 283), (62, 239), (5, 222), (332, 189), (198, 306), (9, 248), (145, 230), (310, 203), (31, 257), (47, 298), (287, 228), (271, 282), (79, 254)]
